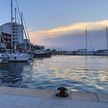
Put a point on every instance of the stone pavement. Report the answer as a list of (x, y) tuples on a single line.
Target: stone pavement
[(35, 98)]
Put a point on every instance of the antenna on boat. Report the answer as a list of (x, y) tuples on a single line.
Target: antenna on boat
[(107, 36)]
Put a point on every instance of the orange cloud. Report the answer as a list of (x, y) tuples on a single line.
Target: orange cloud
[(37, 36)]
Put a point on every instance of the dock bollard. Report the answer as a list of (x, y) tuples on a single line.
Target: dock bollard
[(62, 92)]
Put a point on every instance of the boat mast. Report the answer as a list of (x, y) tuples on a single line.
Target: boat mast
[(15, 14), (86, 32), (21, 17), (11, 24), (107, 36), (15, 35), (11, 11)]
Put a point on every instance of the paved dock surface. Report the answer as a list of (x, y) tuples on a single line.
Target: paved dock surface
[(35, 98)]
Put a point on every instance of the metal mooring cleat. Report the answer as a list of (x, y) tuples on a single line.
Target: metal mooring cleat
[(62, 92)]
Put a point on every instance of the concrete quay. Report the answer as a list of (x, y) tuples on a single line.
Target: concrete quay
[(36, 98)]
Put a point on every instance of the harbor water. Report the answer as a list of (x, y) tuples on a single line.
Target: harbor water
[(78, 73)]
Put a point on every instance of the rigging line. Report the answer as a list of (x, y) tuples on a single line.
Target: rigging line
[(21, 16), (23, 23), (18, 8), (23, 28), (26, 28), (26, 32)]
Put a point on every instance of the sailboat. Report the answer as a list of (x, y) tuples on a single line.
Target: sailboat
[(104, 52), (85, 51), (42, 53), (14, 55), (18, 57), (3, 58)]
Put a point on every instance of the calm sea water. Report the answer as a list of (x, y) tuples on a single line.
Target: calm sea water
[(75, 72)]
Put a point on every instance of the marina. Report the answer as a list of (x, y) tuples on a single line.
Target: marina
[(16, 46), (38, 76)]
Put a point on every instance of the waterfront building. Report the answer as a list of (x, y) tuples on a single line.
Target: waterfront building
[(12, 34)]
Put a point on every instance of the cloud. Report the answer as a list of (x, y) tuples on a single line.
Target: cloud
[(39, 36), (77, 40)]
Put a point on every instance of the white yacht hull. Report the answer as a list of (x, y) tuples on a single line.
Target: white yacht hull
[(18, 57), (3, 58)]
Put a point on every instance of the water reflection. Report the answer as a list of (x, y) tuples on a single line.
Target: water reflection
[(11, 74), (75, 72)]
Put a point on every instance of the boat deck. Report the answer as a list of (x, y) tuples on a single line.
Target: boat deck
[(35, 98)]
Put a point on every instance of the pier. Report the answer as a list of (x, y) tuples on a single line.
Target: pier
[(36, 98)]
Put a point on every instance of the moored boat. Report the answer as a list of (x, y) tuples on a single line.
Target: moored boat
[(42, 53), (3, 58), (102, 52), (18, 57)]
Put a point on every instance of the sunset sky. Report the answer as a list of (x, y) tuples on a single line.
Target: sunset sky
[(55, 23)]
